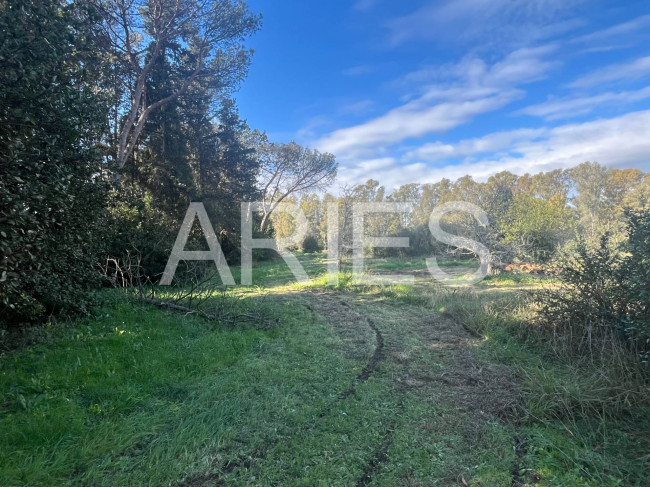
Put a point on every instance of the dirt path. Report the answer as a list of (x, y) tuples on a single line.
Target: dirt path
[(400, 343), (389, 335), (411, 352)]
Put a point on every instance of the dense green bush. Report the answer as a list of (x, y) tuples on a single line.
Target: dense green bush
[(635, 275), (310, 244), (51, 194), (605, 289), (140, 237)]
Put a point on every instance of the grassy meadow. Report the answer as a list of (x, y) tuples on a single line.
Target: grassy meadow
[(355, 385)]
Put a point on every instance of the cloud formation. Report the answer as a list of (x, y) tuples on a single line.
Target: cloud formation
[(567, 107), (414, 119), (491, 21), (639, 68), (514, 50), (621, 141), (463, 91), (633, 26)]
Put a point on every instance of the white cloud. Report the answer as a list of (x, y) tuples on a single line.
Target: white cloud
[(520, 66), (357, 108), (413, 119), (364, 5), (310, 129), (636, 69), (376, 164), (621, 142), (618, 30), (390, 176), (358, 70), (491, 21), (467, 89), (570, 107), (491, 143)]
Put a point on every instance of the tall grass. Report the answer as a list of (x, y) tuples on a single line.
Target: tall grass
[(585, 410), (602, 376)]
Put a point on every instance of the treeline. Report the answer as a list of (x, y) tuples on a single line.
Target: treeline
[(530, 216), (114, 115)]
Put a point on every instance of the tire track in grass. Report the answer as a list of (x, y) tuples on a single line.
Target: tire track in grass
[(373, 362), (521, 446), (476, 388), (380, 455), (372, 365), (377, 356), (378, 459), (215, 477)]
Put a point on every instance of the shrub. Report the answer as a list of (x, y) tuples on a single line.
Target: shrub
[(604, 291), (310, 244), (140, 237), (635, 275), (51, 197)]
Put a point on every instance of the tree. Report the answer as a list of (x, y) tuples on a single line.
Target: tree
[(590, 179), (497, 196), (284, 224), (230, 170), (409, 194), (639, 197), (548, 184), (534, 227), (176, 62), (345, 221), (431, 195), (621, 183), (601, 195), (328, 199), (289, 169), (188, 157), (312, 207), (198, 40), (466, 189)]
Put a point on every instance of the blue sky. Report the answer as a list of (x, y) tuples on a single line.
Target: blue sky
[(415, 91)]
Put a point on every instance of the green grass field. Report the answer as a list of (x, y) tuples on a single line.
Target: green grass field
[(357, 385)]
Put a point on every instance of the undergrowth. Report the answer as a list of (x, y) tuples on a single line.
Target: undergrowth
[(584, 411)]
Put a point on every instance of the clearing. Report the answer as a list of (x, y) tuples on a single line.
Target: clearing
[(357, 385)]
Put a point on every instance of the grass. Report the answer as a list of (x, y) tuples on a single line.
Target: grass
[(510, 279), (99, 392), (138, 396), (135, 395), (142, 397), (276, 272), (586, 419)]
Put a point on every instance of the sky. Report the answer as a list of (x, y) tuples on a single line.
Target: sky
[(420, 90)]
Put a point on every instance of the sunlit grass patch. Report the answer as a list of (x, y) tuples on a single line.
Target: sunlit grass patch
[(511, 279)]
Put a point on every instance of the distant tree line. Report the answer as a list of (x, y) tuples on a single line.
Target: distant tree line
[(589, 226), (530, 216)]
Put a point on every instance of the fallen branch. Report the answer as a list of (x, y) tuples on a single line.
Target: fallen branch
[(231, 319)]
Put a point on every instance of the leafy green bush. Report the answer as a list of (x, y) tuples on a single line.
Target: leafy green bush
[(635, 276), (140, 237), (51, 194), (604, 291), (310, 244)]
